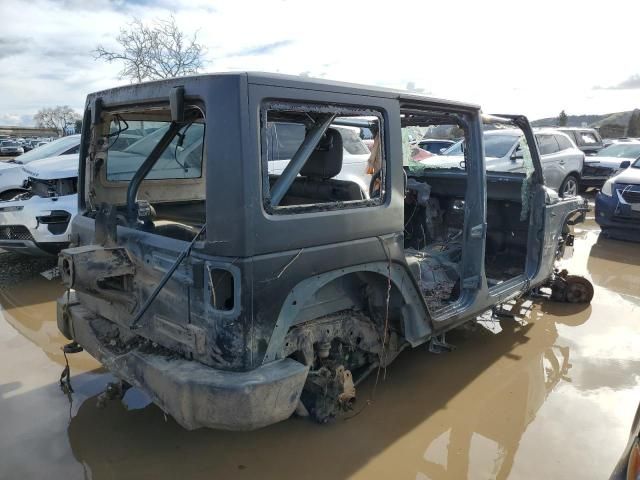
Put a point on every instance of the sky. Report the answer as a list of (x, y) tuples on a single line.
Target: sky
[(532, 58)]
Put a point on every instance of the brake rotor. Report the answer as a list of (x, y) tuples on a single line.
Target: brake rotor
[(578, 289)]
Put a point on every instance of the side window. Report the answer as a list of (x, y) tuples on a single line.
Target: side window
[(571, 135), (563, 142), (314, 158), (547, 144)]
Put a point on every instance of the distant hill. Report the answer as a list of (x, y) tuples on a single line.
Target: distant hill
[(572, 120), (609, 125)]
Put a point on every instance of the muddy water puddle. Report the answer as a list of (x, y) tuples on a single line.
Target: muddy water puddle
[(549, 395)]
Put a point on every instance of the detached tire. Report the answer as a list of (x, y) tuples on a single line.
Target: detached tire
[(570, 186), (578, 289)]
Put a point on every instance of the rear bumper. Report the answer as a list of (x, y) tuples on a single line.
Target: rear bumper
[(596, 182), (616, 218), (194, 394)]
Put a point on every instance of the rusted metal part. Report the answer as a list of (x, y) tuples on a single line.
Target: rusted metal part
[(93, 269), (571, 288)]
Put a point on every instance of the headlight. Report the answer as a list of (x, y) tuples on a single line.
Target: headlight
[(607, 188)]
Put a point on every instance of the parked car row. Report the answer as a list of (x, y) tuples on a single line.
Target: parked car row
[(562, 161), (18, 146), (568, 167), (38, 197)]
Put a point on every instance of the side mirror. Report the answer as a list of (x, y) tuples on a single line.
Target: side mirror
[(625, 164), (517, 155), (442, 150)]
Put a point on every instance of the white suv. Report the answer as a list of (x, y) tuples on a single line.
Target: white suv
[(561, 160), (12, 176), (38, 221)]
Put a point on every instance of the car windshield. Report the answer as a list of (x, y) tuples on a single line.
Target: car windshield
[(455, 149), (52, 149), (621, 150), (9, 144), (495, 146)]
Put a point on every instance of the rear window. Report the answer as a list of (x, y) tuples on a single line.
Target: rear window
[(305, 150), (285, 138), (588, 138), (181, 159)]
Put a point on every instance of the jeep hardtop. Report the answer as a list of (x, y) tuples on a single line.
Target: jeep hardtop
[(234, 295)]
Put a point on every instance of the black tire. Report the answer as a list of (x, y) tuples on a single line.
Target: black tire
[(570, 186)]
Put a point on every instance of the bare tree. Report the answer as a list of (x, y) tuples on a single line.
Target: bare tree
[(156, 50), (59, 117)]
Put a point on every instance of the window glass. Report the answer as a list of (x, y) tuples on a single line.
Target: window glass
[(547, 144), (338, 169), (455, 149), (352, 142), (621, 150), (588, 138), (434, 146), (497, 146), (181, 159), (563, 142), (52, 149)]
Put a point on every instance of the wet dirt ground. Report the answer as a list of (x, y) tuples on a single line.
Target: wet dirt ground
[(551, 395)]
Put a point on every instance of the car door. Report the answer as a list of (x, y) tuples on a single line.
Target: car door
[(551, 160), (571, 159)]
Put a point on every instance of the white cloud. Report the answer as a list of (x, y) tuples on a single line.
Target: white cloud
[(535, 61)]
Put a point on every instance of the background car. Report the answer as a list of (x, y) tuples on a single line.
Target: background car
[(586, 139), (561, 160), (609, 161), (37, 222), (12, 177), (618, 204), (10, 147), (435, 145)]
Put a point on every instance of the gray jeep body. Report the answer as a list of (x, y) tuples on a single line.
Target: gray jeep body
[(299, 286)]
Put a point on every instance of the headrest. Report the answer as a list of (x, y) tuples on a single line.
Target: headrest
[(326, 160)]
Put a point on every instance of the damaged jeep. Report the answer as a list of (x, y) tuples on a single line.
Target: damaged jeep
[(235, 294)]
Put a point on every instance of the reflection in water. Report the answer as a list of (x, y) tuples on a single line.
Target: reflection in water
[(503, 404), (614, 265), (495, 398)]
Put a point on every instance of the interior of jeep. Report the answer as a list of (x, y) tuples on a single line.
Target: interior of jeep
[(435, 210), (314, 158)]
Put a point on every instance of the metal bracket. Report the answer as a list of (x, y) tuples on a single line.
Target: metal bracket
[(438, 344)]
